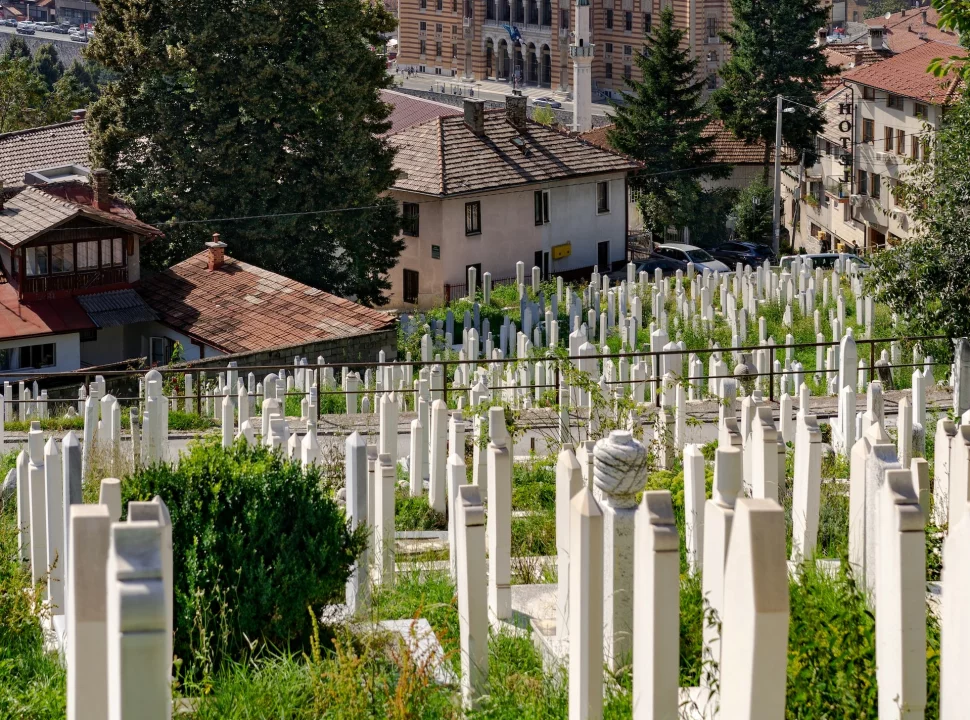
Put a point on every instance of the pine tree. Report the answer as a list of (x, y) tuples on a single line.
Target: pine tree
[(271, 108), (48, 65), (662, 123), (774, 51), (16, 48)]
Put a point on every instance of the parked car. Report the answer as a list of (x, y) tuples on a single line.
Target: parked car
[(25, 28), (546, 102), (79, 38), (649, 265), (684, 254), (9, 22), (59, 30), (746, 253), (825, 260)]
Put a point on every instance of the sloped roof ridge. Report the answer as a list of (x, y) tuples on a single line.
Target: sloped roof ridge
[(38, 129)]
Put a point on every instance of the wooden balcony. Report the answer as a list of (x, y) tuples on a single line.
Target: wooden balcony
[(69, 282)]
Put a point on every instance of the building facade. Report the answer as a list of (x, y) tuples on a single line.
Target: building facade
[(490, 189), (528, 40), (879, 123)]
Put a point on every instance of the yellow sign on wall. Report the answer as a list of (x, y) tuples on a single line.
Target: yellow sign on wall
[(562, 251)]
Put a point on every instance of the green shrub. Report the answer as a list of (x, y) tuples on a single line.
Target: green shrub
[(534, 485), (256, 541), (414, 513)]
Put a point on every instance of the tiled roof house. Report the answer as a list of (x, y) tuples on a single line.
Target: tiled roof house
[(488, 189)]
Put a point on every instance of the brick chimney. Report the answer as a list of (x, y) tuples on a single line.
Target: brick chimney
[(101, 185), (79, 114), (822, 37), (217, 253), (475, 116), (515, 111)]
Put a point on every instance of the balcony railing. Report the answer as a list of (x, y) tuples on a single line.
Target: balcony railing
[(74, 281)]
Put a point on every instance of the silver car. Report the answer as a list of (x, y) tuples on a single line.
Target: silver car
[(684, 254)]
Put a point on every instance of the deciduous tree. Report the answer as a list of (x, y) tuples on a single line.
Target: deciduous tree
[(268, 110)]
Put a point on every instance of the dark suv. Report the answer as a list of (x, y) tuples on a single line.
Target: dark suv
[(746, 253)]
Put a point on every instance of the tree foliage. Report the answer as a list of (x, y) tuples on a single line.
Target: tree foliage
[(16, 48), (662, 122), (35, 91), (774, 52), (266, 108), (878, 8), (48, 65), (925, 279), (954, 15), (752, 213)]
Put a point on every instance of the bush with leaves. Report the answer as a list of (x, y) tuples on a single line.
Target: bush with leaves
[(256, 541)]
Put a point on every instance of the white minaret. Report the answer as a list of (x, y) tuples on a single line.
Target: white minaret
[(581, 51)]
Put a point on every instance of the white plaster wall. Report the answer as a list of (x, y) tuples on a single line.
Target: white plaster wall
[(509, 233), (67, 354)]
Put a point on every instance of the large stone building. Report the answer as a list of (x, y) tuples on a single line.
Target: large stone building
[(528, 40)]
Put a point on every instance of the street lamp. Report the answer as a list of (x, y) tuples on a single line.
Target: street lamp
[(776, 215)]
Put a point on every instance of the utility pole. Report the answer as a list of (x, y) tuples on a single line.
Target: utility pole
[(776, 214)]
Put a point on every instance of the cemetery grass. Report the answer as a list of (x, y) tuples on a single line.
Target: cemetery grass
[(32, 683), (504, 301), (177, 420)]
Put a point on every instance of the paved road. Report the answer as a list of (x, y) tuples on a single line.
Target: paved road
[(39, 34)]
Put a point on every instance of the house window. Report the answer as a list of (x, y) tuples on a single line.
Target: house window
[(435, 252), (410, 219), (712, 81), (895, 101), (437, 5), (863, 182), (888, 139), (112, 253), (423, 47), (6, 359), (62, 258), (647, 22), (87, 255), (160, 350), (423, 4), (437, 49), (628, 21), (609, 71), (921, 111), (37, 356), (542, 206), (454, 6), (868, 131), (36, 261), (410, 286), (915, 147), (868, 93), (423, 26), (627, 72), (564, 19), (603, 197), (473, 218), (454, 51), (900, 142), (88, 335), (454, 30), (437, 28), (711, 28), (627, 49), (874, 185), (609, 48), (609, 19)]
